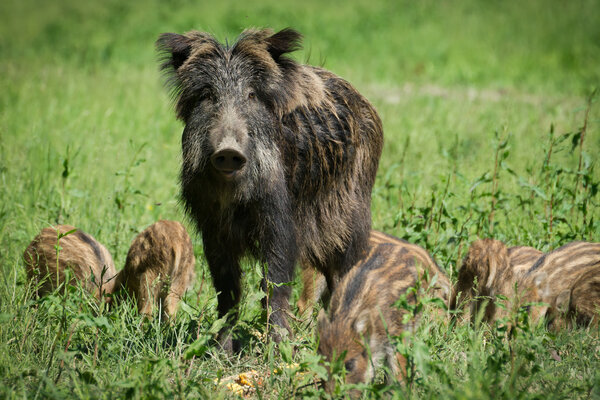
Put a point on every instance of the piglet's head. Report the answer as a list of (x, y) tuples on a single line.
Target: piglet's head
[(342, 344)]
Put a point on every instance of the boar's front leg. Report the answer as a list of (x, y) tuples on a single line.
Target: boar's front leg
[(224, 265), (280, 252)]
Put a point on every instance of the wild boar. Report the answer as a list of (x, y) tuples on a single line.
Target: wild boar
[(89, 261), (567, 280), (497, 270), (279, 160), (159, 268), (362, 313), (314, 286)]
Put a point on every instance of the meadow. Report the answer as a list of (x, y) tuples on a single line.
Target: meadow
[(492, 129)]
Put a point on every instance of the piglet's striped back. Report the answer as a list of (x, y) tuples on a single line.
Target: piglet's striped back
[(363, 306)]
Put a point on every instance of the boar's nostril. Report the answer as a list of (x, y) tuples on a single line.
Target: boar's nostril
[(228, 160)]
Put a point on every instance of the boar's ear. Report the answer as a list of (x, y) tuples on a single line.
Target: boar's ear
[(174, 50), (285, 41)]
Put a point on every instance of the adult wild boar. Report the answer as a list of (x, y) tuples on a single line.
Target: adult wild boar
[(279, 159)]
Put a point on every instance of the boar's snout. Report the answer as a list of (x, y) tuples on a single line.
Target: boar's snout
[(228, 161)]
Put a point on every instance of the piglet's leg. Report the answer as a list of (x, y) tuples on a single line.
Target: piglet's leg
[(314, 286), (170, 303), (400, 367), (146, 294), (181, 280)]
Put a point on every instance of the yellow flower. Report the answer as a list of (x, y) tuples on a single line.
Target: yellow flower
[(235, 388), (243, 380)]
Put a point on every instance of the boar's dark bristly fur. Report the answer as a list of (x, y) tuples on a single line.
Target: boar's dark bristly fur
[(279, 158)]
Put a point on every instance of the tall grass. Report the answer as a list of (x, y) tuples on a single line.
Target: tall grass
[(491, 129)]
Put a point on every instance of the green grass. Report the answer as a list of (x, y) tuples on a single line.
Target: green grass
[(88, 137)]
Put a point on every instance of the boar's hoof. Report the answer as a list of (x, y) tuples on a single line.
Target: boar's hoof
[(277, 333), (227, 343)]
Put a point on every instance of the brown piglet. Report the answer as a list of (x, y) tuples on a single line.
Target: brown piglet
[(314, 285), (89, 261), (496, 269), (362, 313), (568, 279), (159, 268)]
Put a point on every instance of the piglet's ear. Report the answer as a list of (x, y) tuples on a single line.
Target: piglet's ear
[(285, 41), (563, 301), (540, 281), (174, 48), (361, 324), (322, 319)]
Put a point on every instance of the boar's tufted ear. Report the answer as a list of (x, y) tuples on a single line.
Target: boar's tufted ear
[(174, 48), (285, 41)]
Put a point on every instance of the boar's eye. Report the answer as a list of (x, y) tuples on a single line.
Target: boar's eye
[(204, 95), (350, 364), (251, 96)]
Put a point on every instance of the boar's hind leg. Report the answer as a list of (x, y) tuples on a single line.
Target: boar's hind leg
[(341, 261), (225, 270)]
